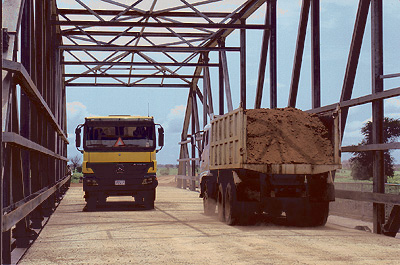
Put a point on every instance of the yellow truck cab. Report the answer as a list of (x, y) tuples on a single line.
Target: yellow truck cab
[(119, 158)]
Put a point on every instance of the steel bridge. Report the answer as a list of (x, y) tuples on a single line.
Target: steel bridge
[(46, 49)]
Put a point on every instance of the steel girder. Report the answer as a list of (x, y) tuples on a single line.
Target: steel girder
[(34, 141)]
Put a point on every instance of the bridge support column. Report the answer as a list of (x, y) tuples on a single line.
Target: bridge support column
[(377, 110)]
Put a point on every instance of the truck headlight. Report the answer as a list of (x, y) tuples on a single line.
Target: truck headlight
[(147, 181), (91, 182)]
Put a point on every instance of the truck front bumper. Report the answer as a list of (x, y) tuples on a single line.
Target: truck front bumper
[(123, 185)]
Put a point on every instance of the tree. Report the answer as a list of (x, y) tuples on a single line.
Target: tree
[(75, 162), (361, 163)]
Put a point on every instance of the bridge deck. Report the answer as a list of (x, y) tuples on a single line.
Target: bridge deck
[(177, 232)]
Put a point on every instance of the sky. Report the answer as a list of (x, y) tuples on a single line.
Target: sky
[(337, 22)]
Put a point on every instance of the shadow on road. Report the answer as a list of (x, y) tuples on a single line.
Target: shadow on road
[(118, 207)]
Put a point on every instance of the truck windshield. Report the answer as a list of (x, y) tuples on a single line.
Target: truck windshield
[(119, 136)]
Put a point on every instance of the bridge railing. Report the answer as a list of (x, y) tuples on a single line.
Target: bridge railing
[(33, 140), (187, 174)]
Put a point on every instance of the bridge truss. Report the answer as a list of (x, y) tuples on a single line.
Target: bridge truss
[(150, 43)]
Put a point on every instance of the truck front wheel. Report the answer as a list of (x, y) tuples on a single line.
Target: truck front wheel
[(148, 200), (91, 201)]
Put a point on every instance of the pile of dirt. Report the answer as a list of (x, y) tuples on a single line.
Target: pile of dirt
[(287, 136)]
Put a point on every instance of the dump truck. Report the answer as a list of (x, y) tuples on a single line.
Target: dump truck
[(119, 158), (279, 162)]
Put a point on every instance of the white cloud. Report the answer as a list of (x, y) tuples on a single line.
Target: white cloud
[(76, 113), (174, 120), (75, 107)]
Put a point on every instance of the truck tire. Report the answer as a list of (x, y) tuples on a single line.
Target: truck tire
[(91, 202), (209, 203), (220, 203), (318, 213), (148, 200), (232, 207), (310, 214), (102, 198)]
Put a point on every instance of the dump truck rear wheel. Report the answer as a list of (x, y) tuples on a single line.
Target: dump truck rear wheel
[(318, 213), (220, 203), (232, 209), (209, 203), (311, 214)]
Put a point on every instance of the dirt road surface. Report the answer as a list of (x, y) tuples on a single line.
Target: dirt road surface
[(177, 232)]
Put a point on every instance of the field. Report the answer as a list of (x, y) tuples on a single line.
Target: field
[(344, 175)]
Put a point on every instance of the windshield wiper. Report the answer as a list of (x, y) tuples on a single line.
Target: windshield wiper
[(97, 145), (133, 145)]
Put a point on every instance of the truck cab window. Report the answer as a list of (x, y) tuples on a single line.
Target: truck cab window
[(132, 136)]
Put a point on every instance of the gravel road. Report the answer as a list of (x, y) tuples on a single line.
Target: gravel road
[(177, 232)]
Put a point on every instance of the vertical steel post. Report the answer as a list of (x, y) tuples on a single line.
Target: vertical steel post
[(273, 57), (21, 231), (194, 113), (377, 110), (26, 61), (315, 55), (1, 142), (298, 57), (263, 61), (205, 90), (221, 80), (354, 55), (243, 65)]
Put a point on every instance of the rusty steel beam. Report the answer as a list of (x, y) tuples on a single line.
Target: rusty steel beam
[(273, 79), (156, 25), (135, 34), (29, 87), (10, 219), (1, 141), (243, 65), (263, 61), (368, 196), (24, 143), (298, 57), (377, 110), (354, 55), (130, 85), (394, 92), (315, 55), (371, 147), (133, 13), (141, 63), (131, 75), (144, 48)]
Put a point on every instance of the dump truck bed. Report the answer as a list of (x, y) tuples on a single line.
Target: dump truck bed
[(276, 141)]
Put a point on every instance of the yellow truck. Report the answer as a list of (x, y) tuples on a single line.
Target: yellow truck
[(280, 162), (119, 158)]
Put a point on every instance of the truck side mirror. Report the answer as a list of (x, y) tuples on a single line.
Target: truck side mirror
[(78, 137), (161, 136)]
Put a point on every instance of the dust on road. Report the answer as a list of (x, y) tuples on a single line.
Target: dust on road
[(177, 232)]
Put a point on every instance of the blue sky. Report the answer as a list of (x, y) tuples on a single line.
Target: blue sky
[(337, 21)]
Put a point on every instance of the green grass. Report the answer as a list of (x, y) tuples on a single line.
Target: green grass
[(344, 175), (75, 177), (164, 171)]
